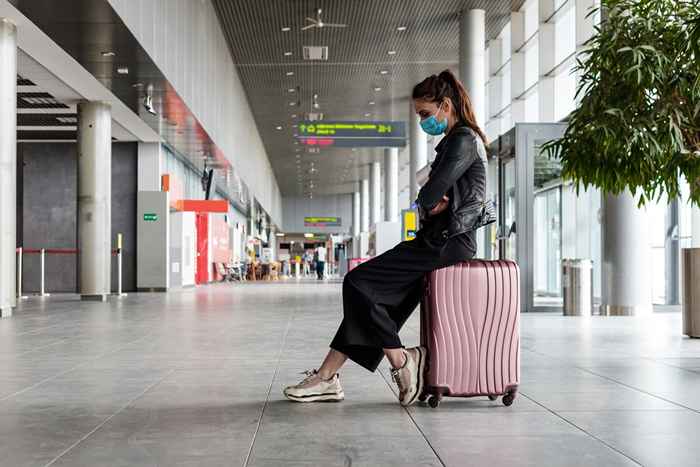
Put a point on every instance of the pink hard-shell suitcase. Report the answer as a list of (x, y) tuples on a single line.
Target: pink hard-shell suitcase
[(470, 325)]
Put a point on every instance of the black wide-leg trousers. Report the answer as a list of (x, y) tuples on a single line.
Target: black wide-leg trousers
[(380, 295)]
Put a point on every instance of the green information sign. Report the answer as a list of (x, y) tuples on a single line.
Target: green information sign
[(150, 217), (322, 222), (352, 134)]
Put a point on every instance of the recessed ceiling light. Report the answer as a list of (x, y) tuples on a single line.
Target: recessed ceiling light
[(371, 103), (368, 115), (278, 127), (122, 70), (286, 29), (287, 54), (392, 52), (401, 28), (291, 90), (377, 89), (108, 53), (383, 72), (290, 73), (292, 104)]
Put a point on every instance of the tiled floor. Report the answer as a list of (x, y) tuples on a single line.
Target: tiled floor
[(194, 378)]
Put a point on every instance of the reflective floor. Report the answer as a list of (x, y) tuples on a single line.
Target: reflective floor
[(194, 378)]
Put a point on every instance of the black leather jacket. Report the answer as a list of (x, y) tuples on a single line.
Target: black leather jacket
[(458, 171)]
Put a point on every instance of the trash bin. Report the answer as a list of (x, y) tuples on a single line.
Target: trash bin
[(691, 291), (577, 286)]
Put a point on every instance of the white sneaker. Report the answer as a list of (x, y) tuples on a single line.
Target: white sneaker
[(409, 378), (315, 389)]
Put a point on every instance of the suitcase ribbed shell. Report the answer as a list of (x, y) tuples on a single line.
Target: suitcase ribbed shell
[(470, 324)]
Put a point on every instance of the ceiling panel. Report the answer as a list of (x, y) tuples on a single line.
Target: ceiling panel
[(359, 61)]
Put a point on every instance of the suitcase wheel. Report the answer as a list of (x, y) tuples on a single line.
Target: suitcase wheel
[(493, 398), (423, 397), (508, 399), (433, 402)]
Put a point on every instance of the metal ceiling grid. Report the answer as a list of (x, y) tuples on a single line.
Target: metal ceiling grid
[(345, 83)]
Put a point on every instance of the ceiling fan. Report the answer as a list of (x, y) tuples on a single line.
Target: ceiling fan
[(318, 23)]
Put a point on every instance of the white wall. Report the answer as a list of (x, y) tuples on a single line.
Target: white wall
[(184, 38), (296, 208)]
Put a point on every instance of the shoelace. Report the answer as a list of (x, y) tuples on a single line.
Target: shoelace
[(397, 380), (309, 374)]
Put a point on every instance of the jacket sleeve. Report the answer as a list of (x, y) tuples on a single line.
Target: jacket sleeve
[(458, 156)]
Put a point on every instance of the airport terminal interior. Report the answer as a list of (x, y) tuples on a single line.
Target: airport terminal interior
[(185, 186)]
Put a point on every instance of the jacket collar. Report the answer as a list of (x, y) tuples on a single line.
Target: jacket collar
[(451, 134)]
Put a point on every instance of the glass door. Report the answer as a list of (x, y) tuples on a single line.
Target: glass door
[(529, 205)]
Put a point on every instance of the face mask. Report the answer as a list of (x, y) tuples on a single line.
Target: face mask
[(432, 126)]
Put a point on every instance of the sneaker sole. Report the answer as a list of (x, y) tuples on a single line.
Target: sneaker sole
[(329, 397), (421, 369)]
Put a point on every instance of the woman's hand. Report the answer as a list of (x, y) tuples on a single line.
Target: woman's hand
[(441, 206)]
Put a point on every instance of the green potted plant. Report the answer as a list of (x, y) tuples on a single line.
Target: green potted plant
[(638, 122)]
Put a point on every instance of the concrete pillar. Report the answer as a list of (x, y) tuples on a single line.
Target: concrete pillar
[(472, 59), (518, 66), (364, 205), (150, 166), (375, 192), (418, 148), (672, 253), (546, 89), (585, 29), (94, 199), (356, 202), (391, 184), (626, 272), (8, 166), (695, 219)]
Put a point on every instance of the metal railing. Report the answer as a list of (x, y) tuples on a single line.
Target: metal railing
[(42, 252)]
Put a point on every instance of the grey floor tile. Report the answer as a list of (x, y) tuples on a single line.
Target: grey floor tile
[(531, 451), (181, 379)]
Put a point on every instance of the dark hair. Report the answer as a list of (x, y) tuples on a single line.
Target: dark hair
[(435, 88)]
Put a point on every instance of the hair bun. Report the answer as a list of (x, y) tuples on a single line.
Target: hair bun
[(447, 75)]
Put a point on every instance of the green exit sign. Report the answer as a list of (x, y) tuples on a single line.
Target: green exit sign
[(150, 217)]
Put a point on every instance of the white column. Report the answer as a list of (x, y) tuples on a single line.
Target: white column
[(94, 199), (150, 165), (672, 253), (364, 205), (585, 27), (547, 54), (626, 273), (8, 166), (517, 66), (356, 213), (695, 213), (418, 148), (391, 184), (375, 192), (495, 85), (472, 62)]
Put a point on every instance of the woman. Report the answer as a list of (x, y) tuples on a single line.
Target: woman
[(379, 295)]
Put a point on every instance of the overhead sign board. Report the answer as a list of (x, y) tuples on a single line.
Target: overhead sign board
[(352, 134), (322, 222)]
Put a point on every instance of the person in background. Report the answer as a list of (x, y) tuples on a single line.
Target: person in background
[(307, 263), (320, 260)]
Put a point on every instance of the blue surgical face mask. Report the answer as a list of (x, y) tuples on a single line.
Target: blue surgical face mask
[(432, 126)]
